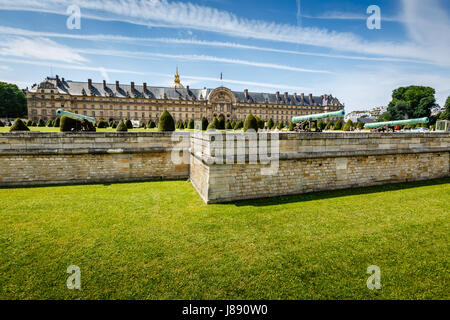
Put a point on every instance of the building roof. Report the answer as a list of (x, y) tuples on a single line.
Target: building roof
[(75, 88)]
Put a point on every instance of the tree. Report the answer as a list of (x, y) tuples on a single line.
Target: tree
[(129, 124), (338, 125), (446, 114), (57, 122), (122, 127), (330, 125), (260, 123), (228, 126), (321, 125), (191, 124), (410, 102), (18, 125), (250, 123), (69, 124), (270, 124), (214, 124), (239, 125), (166, 122), (291, 126), (49, 123), (151, 124), (102, 124), (221, 125), (41, 123), (13, 102), (348, 126), (360, 125), (204, 123)]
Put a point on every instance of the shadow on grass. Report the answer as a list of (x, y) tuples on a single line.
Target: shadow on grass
[(322, 195)]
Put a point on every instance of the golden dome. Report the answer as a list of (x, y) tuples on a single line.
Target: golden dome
[(176, 83)]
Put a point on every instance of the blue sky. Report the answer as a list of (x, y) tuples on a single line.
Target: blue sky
[(319, 47)]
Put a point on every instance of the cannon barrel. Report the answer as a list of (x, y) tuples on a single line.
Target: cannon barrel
[(395, 123), (317, 116), (61, 112)]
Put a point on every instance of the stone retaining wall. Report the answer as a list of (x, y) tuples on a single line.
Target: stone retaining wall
[(315, 162), (56, 158)]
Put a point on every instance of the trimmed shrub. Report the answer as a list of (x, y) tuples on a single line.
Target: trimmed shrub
[(57, 122), (142, 125), (111, 123), (114, 125), (270, 124), (360, 125), (129, 124), (41, 123), (233, 124), (204, 123), (49, 123), (250, 123), (238, 125), (228, 126), (18, 125), (260, 122), (280, 125), (338, 125), (291, 126), (191, 124), (102, 124), (213, 125), (221, 125), (329, 125), (122, 127), (348, 126), (151, 124), (29, 123), (181, 125), (68, 124), (2, 124), (166, 122), (321, 125)]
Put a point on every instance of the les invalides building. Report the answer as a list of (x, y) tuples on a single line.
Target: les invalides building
[(142, 102)]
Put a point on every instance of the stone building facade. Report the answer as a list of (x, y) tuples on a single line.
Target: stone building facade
[(142, 102)]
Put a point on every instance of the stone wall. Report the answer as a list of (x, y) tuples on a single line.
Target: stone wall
[(316, 162), (304, 162), (56, 158)]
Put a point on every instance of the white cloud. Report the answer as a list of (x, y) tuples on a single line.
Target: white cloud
[(68, 66), (152, 41), (193, 57), (196, 17), (39, 48)]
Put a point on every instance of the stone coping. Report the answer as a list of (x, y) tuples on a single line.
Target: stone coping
[(311, 155), (73, 151)]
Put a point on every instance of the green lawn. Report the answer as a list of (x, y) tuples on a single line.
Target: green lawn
[(52, 129), (158, 240)]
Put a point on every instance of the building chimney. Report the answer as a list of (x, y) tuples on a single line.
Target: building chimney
[(310, 98), (132, 86), (63, 80), (246, 94), (187, 89), (57, 78), (117, 85), (277, 94), (145, 87), (286, 96), (295, 96), (90, 83), (302, 97)]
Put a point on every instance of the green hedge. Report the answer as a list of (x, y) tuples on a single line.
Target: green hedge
[(166, 122), (250, 123), (18, 125), (122, 127)]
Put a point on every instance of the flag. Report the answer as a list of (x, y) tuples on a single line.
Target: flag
[(221, 76)]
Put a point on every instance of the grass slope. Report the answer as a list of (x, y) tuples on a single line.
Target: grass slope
[(158, 240)]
